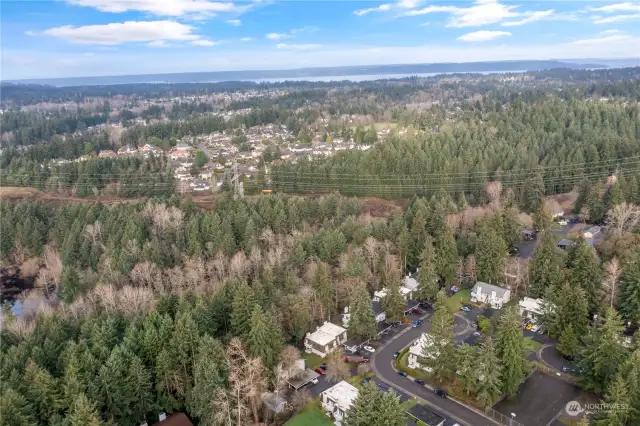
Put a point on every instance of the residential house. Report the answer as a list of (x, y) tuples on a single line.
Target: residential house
[(564, 243), (421, 348), (490, 294), (531, 308), (337, 400), (592, 232), (325, 339), (274, 402), (557, 212), (410, 283), (175, 419), (107, 153)]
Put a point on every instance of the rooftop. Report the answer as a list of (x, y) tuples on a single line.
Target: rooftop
[(488, 288), (302, 378), (421, 413), (564, 243), (410, 283), (326, 333), (531, 305), (343, 394)]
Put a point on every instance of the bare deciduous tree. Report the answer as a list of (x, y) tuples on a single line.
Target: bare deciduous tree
[(300, 399), (363, 369), (247, 381), (494, 190), (94, 232), (622, 217), (612, 271), (337, 369)]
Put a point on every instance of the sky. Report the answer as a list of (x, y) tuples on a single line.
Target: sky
[(67, 38)]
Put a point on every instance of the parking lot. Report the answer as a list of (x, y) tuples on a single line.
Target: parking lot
[(539, 399)]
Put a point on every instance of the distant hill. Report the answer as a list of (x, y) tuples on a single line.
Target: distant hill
[(334, 72)]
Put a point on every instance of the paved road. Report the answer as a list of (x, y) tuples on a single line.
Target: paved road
[(447, 408)]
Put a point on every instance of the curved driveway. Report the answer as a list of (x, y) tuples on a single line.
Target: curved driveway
[(451, 410)]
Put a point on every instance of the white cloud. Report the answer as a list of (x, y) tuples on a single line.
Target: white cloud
[(298, 46), (125, 32), (206, 43), (616, 18), (609, 32), (30, 33), (234, 22), (193, 8), (277, 36), (157, 43), (246, 39), (484, 35), (484, 12), (409, 4), (530, 17), (617, 7), (382, 8), (602, 40)]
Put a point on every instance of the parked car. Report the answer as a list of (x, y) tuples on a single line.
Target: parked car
[(535, 328), (396, 355), (572, 370), (313, 382), (465, 308), (562, 222), (369, 349), (396, 323), (320, 371), (476, 333), (416, 324), (323, 366), (402, 373), (356, 359), (455, 289), (441, 393), (513, 251), (425, 305), (419, 381), (417, 311), (365, 380)]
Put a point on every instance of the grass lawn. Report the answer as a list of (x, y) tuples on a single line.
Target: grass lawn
[(310, 416), (458, 299), (312, 361), (531, 345)]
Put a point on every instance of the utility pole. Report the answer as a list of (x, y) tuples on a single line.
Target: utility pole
[(238, 187)]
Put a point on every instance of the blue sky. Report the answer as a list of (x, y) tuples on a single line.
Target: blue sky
[(64, 38)]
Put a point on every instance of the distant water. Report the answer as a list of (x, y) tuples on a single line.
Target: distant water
[(358, 78)]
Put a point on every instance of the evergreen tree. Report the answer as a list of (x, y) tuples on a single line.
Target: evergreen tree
[(362, 320), (394, 303), (427, 277), (69, 286), (83, 413), (511, 227), (595, 204), (324, 289), (617, 395), (418, 235), (490, 383), (491, 251), (467, 366), (542, 221), (510, 349), (568, 344), (265, 338), (603, 353), (244, 301), (545, 267), (373, 406), (390, 410), (439, 352), (630, 290), (584, 271), (613, 196), (209, 374), (446, 256), (42, 391), (15, 410)]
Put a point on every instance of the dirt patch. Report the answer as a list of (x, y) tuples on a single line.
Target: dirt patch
[(377, 207), (566, 200)]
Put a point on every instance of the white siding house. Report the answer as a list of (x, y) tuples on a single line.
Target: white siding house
[(490, 294), (325, 339), (531, 308), (420, 348), (337, 400)]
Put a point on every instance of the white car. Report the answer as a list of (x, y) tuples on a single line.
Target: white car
[(563, 223), (369, 349), (535, 328), (314, 381)]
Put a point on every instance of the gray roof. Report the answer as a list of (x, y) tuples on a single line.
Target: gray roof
[(564, 243), (488, 288), (593, 230), (377, 308)]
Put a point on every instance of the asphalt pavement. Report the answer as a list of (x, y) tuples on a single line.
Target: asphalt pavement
[(451, 410)]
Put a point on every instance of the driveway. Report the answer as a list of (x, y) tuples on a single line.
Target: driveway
[(453, 411), (550, 355)]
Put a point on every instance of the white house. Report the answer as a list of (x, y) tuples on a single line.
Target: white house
[(377, 311), (410, 283), (531, 308), (490, 294), (325, 339), (420, 348), (337, 400)]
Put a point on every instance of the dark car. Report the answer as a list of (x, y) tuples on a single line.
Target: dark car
[(417, 311), (419, 381), (396, 355), (425, 305), (441, 393), (514, 250), (402, 373), (396, 323), (416, 323), (323, 366), (320, 371), (365, 380)]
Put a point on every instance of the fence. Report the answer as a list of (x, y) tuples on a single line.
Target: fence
[(501, 418)]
